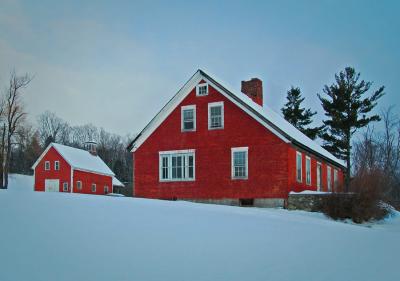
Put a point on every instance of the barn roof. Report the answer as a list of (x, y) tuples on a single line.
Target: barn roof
[(79, 159), (263, 114)]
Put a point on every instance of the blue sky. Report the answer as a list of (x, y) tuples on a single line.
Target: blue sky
[(116, 63)]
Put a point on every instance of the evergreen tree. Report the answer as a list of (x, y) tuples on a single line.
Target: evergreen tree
[(346, 106), (298, 116)]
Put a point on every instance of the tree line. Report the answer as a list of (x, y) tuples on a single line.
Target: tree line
[(21, 142)]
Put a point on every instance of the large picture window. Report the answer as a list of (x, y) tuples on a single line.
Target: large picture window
[(188, 118), (177, 165), (240, 163)]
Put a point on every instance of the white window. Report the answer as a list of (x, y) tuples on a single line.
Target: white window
[(93, 187), (79, 185), (299, 168), (308, 170), (216, 115), (188, 118), (47, 165), (319, 176), (106, 189), (56, 165), (65, 186), (335, 179), (177, 165), (202, 89), (240, 163), (329, 178)]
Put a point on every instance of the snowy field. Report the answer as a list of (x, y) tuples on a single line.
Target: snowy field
[(59, 236)]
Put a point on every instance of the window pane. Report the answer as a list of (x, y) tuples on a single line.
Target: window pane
[(239, 162), (188, 119)]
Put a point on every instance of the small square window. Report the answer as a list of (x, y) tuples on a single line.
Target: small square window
[(47, 166), (57, 165), (202, 89), (93, 187), (65, 186)]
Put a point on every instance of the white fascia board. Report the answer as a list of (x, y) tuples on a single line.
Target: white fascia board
[(92, 172), (249, 112), (41, 156), (167, 110)]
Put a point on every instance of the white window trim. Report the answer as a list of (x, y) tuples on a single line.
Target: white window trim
[(201, 85), (301, 167), (335, 179), (329, 178), (56, 165), (239, 149), (65, 186), (215, 104), (79, 186), (186, 107), (319, 176), (95, 187), (308, 158), (47, 165), (171, 153)]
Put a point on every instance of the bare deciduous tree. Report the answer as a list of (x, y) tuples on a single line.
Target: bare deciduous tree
[(13, 118)]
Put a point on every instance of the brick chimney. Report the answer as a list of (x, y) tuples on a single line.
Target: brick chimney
[(253, 89)]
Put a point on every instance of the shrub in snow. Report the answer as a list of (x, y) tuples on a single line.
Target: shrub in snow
[(363, 204)]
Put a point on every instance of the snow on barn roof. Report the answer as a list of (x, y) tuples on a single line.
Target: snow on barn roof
[(79, 159), (116, 182), (265, 115)]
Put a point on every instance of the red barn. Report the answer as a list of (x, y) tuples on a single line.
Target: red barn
[(212, 144), (63, 168)]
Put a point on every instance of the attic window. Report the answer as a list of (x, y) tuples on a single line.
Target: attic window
[(188, 118), (57, 165), (47, 166), (202, 89)]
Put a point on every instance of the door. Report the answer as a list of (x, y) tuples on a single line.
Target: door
[(52, 185)]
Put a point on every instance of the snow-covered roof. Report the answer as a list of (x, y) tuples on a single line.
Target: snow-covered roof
[(265, 115), (116, 182), (79, 159)]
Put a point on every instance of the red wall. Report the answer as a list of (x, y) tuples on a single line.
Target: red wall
[(297, 187), (267, 156), (64, 174), (88, 178)]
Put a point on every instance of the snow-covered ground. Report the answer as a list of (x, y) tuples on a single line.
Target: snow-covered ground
[(61, 236)]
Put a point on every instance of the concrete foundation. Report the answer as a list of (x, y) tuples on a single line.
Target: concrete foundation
[(257, 202)]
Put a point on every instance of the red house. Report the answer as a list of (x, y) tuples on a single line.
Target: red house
[(63, 168), (212, 144)]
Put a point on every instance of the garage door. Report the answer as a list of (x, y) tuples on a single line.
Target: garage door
[(52, 185)]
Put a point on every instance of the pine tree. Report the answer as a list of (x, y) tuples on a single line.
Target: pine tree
[(298, 116), (346, 107)]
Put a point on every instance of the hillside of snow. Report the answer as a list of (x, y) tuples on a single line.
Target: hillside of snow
[(62, 236)]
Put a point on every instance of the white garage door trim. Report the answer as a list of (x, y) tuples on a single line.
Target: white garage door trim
[(52, 185)]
